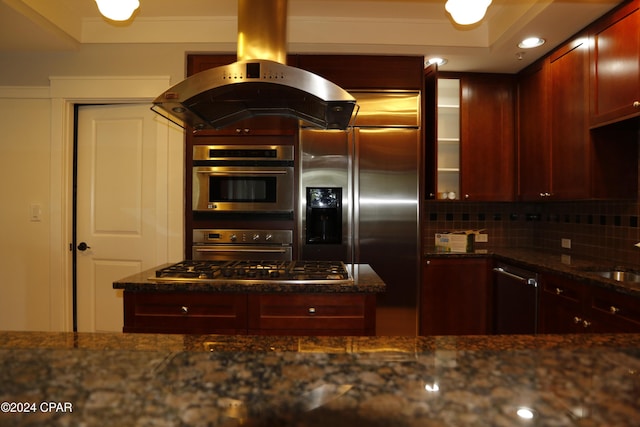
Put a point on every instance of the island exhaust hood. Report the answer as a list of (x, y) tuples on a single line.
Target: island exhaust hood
[(259, 83)]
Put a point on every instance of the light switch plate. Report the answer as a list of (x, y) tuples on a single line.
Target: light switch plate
[(481, 238), (35, 212), (566, 243)]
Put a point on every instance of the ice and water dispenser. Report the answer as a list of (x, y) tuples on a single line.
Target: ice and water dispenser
[(324, 215)]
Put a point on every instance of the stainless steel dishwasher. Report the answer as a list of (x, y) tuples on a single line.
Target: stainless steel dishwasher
[(516, 300)]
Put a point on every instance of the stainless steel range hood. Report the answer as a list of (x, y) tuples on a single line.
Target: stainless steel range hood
[(259, 84)]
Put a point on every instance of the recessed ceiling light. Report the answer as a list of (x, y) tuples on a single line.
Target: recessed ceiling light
[(531, 42), (436, 60)]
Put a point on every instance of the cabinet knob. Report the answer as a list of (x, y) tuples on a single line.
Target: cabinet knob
[(614, 310), (577, 320), (311, 310), (636, 104), (466, 196), (184, 309), (559, 291), (586, 324)]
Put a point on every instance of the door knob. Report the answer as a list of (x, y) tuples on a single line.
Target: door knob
[(83, 246)]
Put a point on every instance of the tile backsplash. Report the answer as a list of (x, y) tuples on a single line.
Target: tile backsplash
[(606, 230)]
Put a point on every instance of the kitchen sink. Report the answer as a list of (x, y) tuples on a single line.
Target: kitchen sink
[(619, 275)]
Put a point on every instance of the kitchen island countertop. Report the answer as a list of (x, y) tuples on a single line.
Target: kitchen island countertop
[(365, 280), (209, 380)]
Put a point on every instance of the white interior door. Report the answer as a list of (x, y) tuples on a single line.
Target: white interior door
[(127, 215)]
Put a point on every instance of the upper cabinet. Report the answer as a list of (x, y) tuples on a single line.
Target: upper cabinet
[(472, 146), (554, 148), (559, 158), (615, 65)]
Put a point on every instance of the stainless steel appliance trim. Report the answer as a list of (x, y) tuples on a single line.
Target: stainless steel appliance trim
[(248, 172), (232, 248), (284, 189), (527, 280), (283, 152)]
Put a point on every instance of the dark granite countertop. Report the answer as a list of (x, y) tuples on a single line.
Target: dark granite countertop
[(365, 281), (577, 268), (193, 380)]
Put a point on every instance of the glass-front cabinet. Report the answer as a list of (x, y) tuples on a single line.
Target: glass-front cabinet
[(448, 139)]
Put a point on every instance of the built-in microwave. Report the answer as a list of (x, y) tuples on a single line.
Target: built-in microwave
[(243, 178)]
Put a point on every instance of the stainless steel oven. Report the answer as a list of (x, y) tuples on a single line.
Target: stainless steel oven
[(242, 178), (231, 245)]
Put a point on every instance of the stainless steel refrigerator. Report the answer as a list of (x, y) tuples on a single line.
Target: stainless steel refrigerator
[(359, 198)]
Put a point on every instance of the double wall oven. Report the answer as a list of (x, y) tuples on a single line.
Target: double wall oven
[(254, 182)]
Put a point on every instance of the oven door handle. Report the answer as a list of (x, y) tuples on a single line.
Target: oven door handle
[(246, 172), (263, 250)]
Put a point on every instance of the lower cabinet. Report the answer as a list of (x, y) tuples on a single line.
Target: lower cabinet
[(456, 297), (317, 314), (259, 314), (185, 312), (569, 306)]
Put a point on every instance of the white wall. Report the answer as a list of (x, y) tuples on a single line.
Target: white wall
[(35, 287), (25, 131)]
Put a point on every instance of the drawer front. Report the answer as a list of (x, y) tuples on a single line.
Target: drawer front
[(185, 312), (562, 288), (613, 306), (297, 314)]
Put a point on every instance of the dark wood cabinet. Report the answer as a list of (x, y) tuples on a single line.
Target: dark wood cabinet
[(569, 306), (561, 306), (534, 141), (615, 57), (456, 297), (481, 153), (306, 314), (259, 314), (568, 119), (487, 137), (554, 145), (185, 313)]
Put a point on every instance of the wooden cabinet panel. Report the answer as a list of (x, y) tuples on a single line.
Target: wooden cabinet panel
[(185, 312), (568, 306), (297, 314), (262, 314), (487, 154), (569, 100), (534, 141), (561, 305), (615, 312), (456, 297), (616, 65)]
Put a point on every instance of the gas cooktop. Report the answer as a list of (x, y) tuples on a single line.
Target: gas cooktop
[(207, 271)]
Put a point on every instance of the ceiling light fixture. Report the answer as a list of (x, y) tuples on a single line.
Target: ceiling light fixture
[(467, 12), (531, 42), (436, 60), (117, 10)]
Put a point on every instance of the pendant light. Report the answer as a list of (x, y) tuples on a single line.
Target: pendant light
[(117, 10), (467, 12)]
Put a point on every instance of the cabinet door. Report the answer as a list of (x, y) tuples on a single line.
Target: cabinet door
[(561, 306), (614, 312), (455, 297), (185, 313), (312, 314), (487, 155), (570, 143), (534, 149), (616, 66)]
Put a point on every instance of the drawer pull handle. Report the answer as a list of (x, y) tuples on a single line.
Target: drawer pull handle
[(614, 310), (559, 291), (184, 309), (311, 310)]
